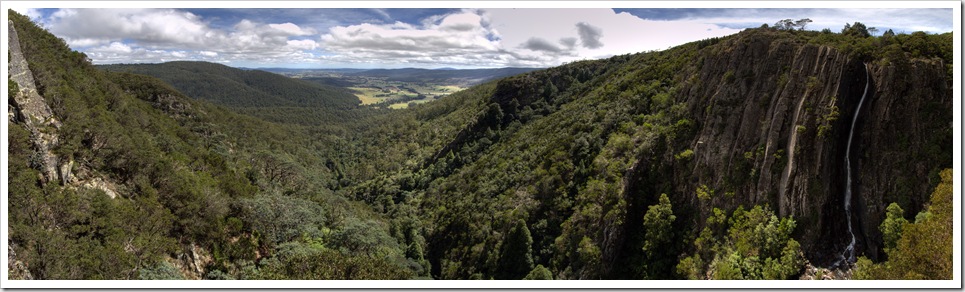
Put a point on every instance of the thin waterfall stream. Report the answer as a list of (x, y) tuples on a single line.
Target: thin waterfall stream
[(848, 254)]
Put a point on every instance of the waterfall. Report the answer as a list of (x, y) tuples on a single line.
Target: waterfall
[(848, 253)]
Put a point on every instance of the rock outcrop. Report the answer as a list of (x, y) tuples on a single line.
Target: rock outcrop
[(16, 269), (31, 108), (191, 261)]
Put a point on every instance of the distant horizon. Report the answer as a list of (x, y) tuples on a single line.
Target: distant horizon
[(375, 38), (324, 68), (381, 68)]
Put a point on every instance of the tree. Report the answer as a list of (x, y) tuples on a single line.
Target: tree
[(784, 24), (359, 237), (790, 24), (872, 30), (539, 273), (516, 257), (755, 245), (659, 235), (888, 33), (802, 23), (856, 30), (163, 270), (924, 249), (891, 227), (279, 218)]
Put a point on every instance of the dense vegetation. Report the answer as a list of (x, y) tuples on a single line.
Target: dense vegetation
[(233, 87), (919, 250), (253, 92), (562, 173), (189, 174)]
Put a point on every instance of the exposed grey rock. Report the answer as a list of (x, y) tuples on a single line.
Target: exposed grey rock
[(33, 109)]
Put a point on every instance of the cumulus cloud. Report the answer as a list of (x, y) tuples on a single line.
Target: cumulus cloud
[(589, 35), (148, 26), (114, 47), (508, 37), (423, 37), (158, 35), (289, 28), (459, 38)]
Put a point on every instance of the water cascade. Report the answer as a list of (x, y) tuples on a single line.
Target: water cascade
[(848, 254)]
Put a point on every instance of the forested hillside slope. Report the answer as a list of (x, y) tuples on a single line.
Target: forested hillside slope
[(723, 158), (253, 92), (241, 88), (119, 176)]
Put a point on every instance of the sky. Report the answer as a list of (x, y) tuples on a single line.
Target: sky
[(424, 38)]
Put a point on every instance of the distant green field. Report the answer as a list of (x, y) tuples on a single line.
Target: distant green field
[(402, 105), (370, 95), (388, 92)]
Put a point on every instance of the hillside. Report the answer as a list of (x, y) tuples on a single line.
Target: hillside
[(725, 158), (233, 87), (254, 92), (120, 176), (581, 155)]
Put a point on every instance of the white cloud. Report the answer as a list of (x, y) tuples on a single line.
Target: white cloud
[(466, 38), (160, 27), (461, 22), (77, 43), (509, 37), (602, 32), (302, 44), (157, 35), (291, 29), (32, 13), (114, 47), (459, 38)]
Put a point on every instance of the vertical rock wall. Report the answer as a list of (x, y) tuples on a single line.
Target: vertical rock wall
[(773, 116)]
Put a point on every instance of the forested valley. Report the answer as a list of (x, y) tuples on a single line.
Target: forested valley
[(718, 159)]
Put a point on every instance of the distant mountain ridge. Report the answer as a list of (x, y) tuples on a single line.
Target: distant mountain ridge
[(469, 76), (435, 75), (235, 87)]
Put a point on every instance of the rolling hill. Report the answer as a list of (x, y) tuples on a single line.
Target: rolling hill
[(233, 87)]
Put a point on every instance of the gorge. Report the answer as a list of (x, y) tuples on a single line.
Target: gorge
[(733, 156)]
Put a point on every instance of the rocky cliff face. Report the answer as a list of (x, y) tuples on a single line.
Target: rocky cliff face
[(906, 139), (31, 109), (773, 117)]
